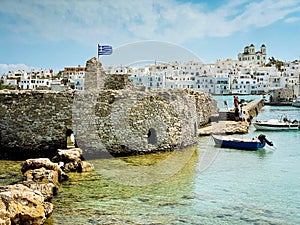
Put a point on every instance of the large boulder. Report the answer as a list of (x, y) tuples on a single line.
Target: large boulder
[(42, 175), (71, 160), (31, 164), (48, 190), (22, 205), (43, 180), (68, 155)]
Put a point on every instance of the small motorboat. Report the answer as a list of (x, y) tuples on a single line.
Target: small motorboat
[(276, 124), (239, 143)]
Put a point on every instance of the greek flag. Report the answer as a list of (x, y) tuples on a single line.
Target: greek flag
[(104, 50)]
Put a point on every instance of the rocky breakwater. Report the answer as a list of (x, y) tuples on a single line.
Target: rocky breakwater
[(29, 202)]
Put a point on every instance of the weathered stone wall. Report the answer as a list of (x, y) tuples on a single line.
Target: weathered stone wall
[(125, 122), (206, 107), (105, 122), (33, 123), (118, 82)]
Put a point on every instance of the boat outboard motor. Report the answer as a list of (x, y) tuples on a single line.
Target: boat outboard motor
[(263, 138)]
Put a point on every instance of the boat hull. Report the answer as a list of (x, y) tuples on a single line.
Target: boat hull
[(250, 145), (275, 127)]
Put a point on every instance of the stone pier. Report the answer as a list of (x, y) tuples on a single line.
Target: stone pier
[(226, 123)]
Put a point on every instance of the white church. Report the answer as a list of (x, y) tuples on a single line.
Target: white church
[(250, 56)]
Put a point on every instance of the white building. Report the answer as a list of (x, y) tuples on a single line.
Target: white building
[(247, 75), (252, 57), (33, 79), (205, 84), (9, 82), (15, 74), (40, 74), (74, 72), (222, 86), (243, 84), (29, 83)]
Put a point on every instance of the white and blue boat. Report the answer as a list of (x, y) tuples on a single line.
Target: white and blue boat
[(242, 144)]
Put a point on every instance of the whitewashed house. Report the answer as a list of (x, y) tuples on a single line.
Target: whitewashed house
[(15, 74), (205, 84), (32, 82), (222, 85), (243, 84), (28, 83)]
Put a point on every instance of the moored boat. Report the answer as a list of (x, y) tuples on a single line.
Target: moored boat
[(276, 125), (243, 144)]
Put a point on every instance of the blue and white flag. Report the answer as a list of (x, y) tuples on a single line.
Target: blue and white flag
[(104, 50)]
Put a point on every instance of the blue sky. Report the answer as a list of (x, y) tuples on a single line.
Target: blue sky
[(58, 33)]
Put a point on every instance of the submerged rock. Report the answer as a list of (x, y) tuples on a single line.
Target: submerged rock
[(85, 166), (29, 201)]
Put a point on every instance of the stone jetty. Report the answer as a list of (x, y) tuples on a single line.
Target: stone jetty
[(226, 123), (225, 127), (29, 202)]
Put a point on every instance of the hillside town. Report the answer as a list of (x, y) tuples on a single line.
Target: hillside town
[(250, 73)]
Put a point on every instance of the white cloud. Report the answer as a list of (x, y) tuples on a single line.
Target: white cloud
[(292, 19), (4, 68), (122, 21), (264, 13)]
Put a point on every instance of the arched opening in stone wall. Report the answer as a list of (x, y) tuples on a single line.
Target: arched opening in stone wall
[(70, 139), (152, 136)]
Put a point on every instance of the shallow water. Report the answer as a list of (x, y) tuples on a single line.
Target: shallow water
[(10, 172), (202, 185)]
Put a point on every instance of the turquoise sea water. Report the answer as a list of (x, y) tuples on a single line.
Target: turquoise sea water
[(201, 185)]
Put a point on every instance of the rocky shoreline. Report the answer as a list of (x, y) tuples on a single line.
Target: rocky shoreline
[(29, 201)]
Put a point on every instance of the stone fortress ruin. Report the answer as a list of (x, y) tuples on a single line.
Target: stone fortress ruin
[(111, 117)]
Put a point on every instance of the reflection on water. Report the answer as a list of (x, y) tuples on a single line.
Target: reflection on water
[(95, 199), (144, 170)]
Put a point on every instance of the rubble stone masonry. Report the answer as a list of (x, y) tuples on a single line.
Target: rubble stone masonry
[(110, 117)]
